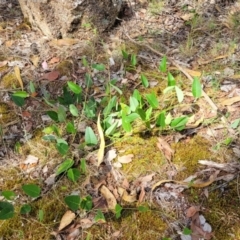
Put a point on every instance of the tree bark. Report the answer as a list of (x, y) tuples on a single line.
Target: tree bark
[(62, 18)]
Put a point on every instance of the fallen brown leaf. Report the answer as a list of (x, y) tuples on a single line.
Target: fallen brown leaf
[(192, 211), (126, 158), (54, 60), (165, 148), (3, 63), (111, 201), (100, 153), (18, 76), (63, 42), (230, 101), (67, 218), (51, 76)]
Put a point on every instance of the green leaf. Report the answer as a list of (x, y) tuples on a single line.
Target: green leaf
[(88, 80), (118, 210), (171, 80), (137, 95), (161, 119), (18, 100), (64, 166), (21, 94), (179, 93), (68, 98), (149, 113), (143, 209), (6, 210), (90, 137), (168, 89), (131, 117), (163, 64), (73, 110), (152, 100), (83, 165), (90, 108), (196, 88), (70, 128), (117, 89), (62, 146), (125, 55), (168, 119), (40, 215), (125, 108), (111, 129), (144, 81), (235, 124), (32, 190), (125, 124), (73, 174), (87, 203), (26, 208), (84, 61), (49, 137), (142, 114), (179, 123), (53, 115), (32, 87), (112, 103), (74, 87), (61, 113), (99, 217), (9, 195), (133, 59), (187, 231), (73, 202), (99, 67), (133, 103)]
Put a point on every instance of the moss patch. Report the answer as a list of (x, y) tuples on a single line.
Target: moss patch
[(147, 157), (132, 225), (9, 81), (7, 114), (187, 154)]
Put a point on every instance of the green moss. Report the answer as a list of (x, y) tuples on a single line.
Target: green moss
[(7, 114), (187, 154), (10, 81), (65, 68), (132, 225), (147, 157)]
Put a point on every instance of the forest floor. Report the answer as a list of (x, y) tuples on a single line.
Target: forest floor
[(113, 137)]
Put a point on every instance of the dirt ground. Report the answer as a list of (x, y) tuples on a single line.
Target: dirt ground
[(200, 39)]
